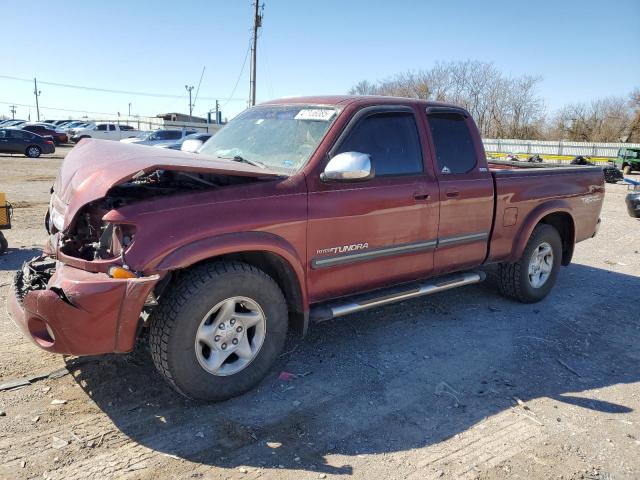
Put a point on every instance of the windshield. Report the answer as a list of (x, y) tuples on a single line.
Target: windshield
[(280, 137)]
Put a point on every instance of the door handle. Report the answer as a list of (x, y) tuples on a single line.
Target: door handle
[(452, 193), (421, 196)]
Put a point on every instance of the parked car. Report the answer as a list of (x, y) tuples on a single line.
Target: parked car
[(20, 141), (44, 131), (193, 142), (58, 123), (297, 211), (77, 124), (160, 137), (8, 122), (82, 126), (633, 198), (628, 160), (104, 131), (13, 123)]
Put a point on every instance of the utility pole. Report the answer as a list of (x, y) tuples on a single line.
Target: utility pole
[(217, 109), (13, 110), (257, 23), (129, 108), (37, 93), (189, 88)]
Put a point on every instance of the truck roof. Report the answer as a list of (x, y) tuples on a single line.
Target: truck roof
[(344, 100)]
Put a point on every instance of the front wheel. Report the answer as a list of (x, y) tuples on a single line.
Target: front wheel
[(532, 277), (33, 151), (219, 330)]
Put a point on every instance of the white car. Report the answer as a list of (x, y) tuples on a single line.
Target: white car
[(160, 137), (105, 131)]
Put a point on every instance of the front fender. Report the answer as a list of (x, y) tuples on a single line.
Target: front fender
[(230, 243)]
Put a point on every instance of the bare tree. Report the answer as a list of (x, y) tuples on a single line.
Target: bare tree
[(634, 127), (511, 107), (603, 120), (502, 106)]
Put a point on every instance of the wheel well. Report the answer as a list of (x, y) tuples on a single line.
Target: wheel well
[(563, 223), (282, 273)]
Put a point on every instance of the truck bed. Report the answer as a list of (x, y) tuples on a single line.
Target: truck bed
[(521, 187), (500, 165)]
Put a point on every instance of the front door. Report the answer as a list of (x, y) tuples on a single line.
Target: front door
[(364, 235), (466, 190)]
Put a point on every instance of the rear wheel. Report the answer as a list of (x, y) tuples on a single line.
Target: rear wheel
[(33, 151), (626, 169), (219, 330), (532, 277)]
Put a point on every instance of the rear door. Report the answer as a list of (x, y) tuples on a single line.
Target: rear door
[(5, 143), (16, 141), (367, 234), (113, 133), (466, 190)]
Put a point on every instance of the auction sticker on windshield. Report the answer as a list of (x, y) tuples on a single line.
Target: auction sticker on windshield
[(322, 114)]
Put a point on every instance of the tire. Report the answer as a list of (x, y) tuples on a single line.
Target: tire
[(184, 314), (4, 244), (515, 280), (33, 151), (626, 169), (82, 138)]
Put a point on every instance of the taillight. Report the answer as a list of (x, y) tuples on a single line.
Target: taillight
[(49, 142)]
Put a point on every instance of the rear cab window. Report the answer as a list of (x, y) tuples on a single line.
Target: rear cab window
[(454, 146), (391, 140)]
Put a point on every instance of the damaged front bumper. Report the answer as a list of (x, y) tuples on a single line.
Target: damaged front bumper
[(63, 309)]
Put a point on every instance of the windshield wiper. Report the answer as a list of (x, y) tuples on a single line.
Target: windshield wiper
[(238, 158)]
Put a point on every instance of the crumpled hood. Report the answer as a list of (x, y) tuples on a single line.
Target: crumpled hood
[(94, 166)]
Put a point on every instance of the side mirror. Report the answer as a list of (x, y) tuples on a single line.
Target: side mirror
[(348, 167), (191, 145)]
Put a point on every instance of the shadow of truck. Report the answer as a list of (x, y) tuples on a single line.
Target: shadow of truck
[(392, 379)]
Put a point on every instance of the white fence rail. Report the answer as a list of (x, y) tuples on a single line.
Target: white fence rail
[(542, 147)]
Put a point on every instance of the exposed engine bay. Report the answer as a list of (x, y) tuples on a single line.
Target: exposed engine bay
[(34, 275), (90, 238)]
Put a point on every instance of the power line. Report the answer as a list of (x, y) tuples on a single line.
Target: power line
[(109, 90), (59, 109), (195, 99), (246, 55)]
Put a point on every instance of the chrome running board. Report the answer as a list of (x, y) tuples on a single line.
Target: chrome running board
[(378, 298)]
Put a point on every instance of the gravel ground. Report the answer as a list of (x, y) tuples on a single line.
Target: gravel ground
[(463, 384)]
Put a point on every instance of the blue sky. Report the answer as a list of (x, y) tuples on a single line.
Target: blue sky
[(582, 49)]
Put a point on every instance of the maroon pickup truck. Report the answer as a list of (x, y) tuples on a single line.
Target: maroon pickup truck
[(298, 211)]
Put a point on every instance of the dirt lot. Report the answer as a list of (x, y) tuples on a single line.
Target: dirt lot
[(464, 384)]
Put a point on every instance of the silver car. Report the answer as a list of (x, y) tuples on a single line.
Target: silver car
[(159, 137)]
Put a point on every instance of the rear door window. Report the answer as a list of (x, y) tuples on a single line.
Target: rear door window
[(455, 151), (391, 140)]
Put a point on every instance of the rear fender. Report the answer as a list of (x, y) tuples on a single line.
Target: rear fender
[(533, 219)]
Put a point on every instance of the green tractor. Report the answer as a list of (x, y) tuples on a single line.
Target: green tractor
[(628, 159)]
